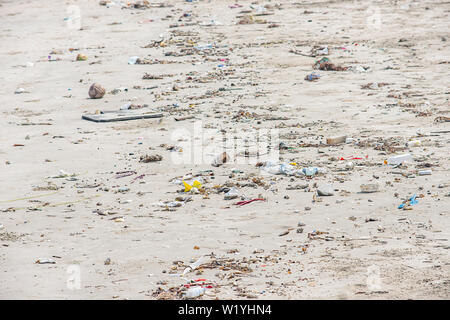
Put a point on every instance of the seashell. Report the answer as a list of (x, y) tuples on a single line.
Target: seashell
[(96, 91)]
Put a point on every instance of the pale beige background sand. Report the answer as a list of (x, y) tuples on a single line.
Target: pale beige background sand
[(412, 248)]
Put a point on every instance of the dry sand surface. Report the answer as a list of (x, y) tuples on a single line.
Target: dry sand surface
[(234, 72)]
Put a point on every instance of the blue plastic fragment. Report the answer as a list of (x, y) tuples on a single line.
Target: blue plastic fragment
[(412, 201)]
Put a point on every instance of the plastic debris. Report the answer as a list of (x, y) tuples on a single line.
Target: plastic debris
[(233, 193), (326, 190), (194, 265), (312, 171), (133, 60), (194, 292), (425, 172), (397, 160), (413, 143), (187, 187), (243, 203), (312, 77), (20, 90), (408, 203), (45, 261)]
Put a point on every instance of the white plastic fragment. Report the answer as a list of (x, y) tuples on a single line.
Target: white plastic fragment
[(396, 160), (45, 261), (194, 292), (425, 172), (194, 265)]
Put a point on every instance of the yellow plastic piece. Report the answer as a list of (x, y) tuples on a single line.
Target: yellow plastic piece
[(188, 187)]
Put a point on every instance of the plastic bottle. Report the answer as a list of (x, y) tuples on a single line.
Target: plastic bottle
[(399, 159), (424, 172), (194, 265), (194, 292), (311, 171), (275, 168)]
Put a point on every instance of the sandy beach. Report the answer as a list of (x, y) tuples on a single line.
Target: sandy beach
[(335, 118)]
